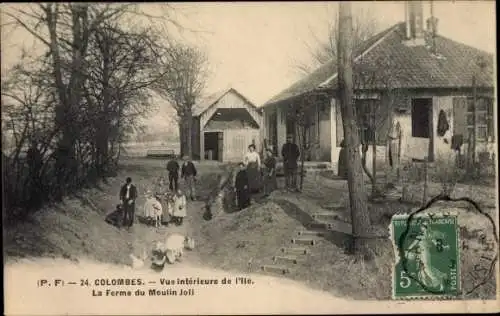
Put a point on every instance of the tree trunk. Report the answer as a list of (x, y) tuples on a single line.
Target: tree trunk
[(357, 192), (182, 141), (189, 134)]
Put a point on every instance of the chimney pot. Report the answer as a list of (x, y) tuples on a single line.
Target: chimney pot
[(415, 31)]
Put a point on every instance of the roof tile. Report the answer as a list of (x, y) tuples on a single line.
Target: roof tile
[(407, 66)]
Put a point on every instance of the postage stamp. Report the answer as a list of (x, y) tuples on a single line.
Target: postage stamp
[(427, 252)]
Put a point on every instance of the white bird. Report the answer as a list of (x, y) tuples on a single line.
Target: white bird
[(136, 262), (173, 247)]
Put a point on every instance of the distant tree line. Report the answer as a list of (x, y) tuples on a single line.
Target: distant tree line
[(66, 111)]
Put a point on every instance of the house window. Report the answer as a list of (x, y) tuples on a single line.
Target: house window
[(363, 115), (420, 114), (484, 118)]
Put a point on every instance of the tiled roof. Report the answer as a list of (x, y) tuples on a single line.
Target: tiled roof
[(200, 107), (408, 66)]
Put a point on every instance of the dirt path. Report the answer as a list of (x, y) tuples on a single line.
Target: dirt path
[(264, 295)]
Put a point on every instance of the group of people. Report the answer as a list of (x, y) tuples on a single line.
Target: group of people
[(254, 176), (168, 206)]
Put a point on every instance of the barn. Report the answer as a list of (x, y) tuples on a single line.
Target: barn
[(224, 124)]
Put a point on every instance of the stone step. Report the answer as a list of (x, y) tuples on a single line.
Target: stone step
[(318, 225), (333, 206), (276, 269), (334, 225), (304, 241), (310, 233), (326, 215), (295, 251), (285, 259)]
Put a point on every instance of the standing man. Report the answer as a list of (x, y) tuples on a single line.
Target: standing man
[(128, 194), (291, 153), (188, 173), (394, 136), (173, 175)]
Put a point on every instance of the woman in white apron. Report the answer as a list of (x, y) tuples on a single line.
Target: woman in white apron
[(252, 162)]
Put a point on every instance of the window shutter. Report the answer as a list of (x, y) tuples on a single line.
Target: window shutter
[(460, 116)]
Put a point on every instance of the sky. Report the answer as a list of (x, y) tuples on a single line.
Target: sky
[(254, 46)]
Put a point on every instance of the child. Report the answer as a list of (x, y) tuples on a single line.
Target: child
[(241, 187), (157, 210), (179, 211), (148, 207)]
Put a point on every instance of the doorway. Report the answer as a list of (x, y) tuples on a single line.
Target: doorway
[(273, 131), (213, 145), (421, 122)]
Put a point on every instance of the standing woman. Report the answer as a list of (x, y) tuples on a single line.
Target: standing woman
[(241, 187), (252, 163), (270, 173)]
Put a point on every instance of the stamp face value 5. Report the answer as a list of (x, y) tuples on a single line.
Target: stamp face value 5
[(427, 256)]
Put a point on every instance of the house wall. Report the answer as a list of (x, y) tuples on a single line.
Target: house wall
[(320, 131), (337, 133), (236, 141), (281, 128), (411, 147)]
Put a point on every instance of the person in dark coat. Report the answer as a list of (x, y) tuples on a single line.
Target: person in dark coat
[(269, 173), (173, 175), (342, 165), (188, 173), (241, 187), (128, 194), (290, 153)]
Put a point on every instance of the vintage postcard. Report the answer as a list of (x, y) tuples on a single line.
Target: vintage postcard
[(249, 158)]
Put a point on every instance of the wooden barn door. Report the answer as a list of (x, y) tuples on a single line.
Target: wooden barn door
[(220, 142)]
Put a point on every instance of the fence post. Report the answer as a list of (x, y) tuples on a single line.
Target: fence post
[(426, 176)]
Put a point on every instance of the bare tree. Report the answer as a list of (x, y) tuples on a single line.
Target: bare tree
[(374, 112), (74, 104), (357, 193), (185, 72), (322, 50), (302, 112)]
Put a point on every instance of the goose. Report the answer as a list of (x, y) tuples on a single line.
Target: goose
[(138, 262)]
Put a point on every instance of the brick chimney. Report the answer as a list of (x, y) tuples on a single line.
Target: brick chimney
[(414, 23)]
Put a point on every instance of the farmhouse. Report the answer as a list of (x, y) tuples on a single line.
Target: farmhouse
[(406, 74), (224, 125)]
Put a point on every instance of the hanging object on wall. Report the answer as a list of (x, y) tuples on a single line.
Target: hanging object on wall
[(443, 126)]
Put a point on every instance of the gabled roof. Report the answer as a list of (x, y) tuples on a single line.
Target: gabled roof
[(202, 106), (410, 66)]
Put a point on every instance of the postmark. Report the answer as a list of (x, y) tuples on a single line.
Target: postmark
[(427, 256), (444, 251)]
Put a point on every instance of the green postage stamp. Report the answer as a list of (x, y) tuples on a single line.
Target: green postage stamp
[(427, 256)]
